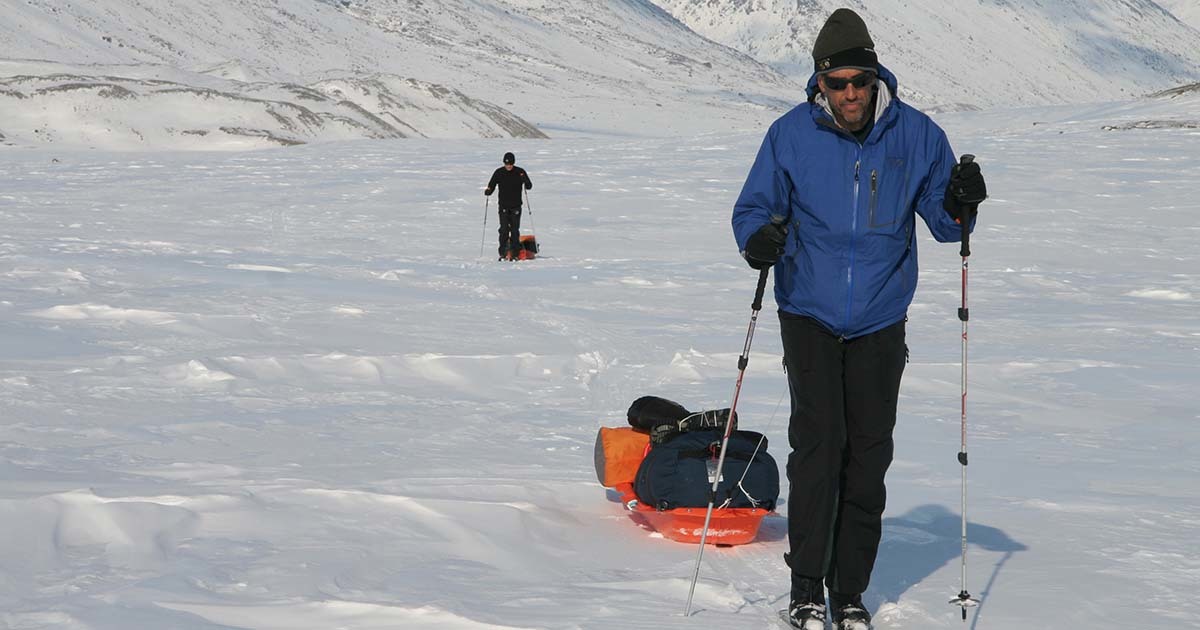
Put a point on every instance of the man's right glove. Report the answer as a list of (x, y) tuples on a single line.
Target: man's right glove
[(965, 190), (487, 192), (765, 246)]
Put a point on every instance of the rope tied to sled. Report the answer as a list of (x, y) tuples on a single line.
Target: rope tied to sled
[(762, 437)]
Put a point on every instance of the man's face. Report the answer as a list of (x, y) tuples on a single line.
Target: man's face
[(507, 166), (849, 92)]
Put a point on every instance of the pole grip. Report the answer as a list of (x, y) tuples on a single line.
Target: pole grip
[(779, 220), (967, 212), (762, 287)]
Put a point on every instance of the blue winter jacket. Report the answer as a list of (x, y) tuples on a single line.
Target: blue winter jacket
[(851, 256)]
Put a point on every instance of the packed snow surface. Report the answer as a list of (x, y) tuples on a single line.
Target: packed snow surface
[(292, 388)]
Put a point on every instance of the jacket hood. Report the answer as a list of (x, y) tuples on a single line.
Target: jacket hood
[(821, 109)]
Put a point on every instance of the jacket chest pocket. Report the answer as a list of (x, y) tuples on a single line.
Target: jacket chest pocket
[(889, 192)]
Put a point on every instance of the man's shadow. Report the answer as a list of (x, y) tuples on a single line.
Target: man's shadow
[(925, 539)]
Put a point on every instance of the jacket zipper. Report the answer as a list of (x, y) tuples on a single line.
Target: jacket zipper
[(853, 239), (874, 197), (854, 217)]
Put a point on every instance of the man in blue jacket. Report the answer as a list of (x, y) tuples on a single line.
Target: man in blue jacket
[(831, 202)]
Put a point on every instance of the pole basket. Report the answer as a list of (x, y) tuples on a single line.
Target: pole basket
[(965, 601)]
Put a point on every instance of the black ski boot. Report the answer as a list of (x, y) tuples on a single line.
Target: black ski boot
[(849, 612), (807, 610)]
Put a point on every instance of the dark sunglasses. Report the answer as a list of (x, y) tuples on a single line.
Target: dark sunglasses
[(859, 81)]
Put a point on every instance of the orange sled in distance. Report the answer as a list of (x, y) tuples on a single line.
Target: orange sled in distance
[(620, 451), (529, 247)]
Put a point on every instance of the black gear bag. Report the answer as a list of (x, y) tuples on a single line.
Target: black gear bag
[(679, 472), (663, 418)]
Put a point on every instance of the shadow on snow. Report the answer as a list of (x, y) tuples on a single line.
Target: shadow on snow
[(917, 544)]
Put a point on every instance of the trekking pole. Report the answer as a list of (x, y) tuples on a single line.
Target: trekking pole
[(743, 360), (964, 598), (482, 236), (529, 203)]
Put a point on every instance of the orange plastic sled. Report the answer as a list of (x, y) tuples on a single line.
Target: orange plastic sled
[(729, 526), (618, 453), (529, 247)]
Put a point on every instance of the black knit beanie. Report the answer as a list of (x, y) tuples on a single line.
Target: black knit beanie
[(509, 158), (844, 43)]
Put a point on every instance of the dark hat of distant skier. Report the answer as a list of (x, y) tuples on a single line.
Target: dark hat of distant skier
[(844, 43), (509, 158)]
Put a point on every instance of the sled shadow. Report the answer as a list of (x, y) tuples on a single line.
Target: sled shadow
[(927, 538)]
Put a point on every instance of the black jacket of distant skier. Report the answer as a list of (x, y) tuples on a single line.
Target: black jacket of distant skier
[(510, 183)]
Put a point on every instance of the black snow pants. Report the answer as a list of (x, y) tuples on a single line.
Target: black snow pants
[(843, 414), (510, 231)]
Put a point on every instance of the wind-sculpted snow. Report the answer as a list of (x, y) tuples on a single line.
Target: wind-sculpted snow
[(281, 388), (127, 534)]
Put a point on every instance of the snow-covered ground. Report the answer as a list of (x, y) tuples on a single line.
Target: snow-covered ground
[(282, 389)]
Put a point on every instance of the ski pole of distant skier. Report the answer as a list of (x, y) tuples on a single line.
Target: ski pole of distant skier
[(964, 599), (483, 236), (743, 360), (529, 203)]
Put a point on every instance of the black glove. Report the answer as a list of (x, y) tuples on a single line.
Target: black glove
[(765, 246), (965, 190), (528, 186), (487, 192)]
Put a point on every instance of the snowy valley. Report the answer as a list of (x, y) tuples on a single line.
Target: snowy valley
[(259, 368)]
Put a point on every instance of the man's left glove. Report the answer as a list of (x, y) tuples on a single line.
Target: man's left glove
[(966, 189), (765, 246)]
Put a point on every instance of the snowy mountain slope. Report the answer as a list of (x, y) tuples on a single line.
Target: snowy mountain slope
[(566, 67), (978, 53), (1176, 108), (277, 390), (1188, 11), (114, 112)]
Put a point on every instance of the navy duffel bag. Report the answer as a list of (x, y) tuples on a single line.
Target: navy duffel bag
[(680, 472)]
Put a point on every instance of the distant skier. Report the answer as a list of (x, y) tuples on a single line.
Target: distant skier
[(511, 179), (845, 174)]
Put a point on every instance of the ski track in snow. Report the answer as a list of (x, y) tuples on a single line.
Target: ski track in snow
[(282, 390)]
